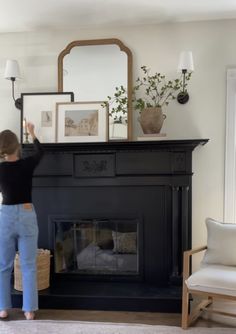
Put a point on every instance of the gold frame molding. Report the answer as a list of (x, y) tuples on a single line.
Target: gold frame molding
[(129, 69)]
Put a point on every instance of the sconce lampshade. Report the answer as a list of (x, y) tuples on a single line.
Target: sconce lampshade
[(186, 61), (12, 70)]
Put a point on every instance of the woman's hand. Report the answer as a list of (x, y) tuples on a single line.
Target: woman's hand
[(30, 127)]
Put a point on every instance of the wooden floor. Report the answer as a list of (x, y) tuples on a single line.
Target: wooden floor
[(167, 319)]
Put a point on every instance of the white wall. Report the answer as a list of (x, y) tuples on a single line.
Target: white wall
[(157, 46)]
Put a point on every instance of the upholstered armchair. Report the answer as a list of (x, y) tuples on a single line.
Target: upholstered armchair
[(216, 278)]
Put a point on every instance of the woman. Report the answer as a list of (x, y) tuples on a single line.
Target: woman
[(18, 221)]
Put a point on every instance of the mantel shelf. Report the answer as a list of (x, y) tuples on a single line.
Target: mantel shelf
[(160, 144)]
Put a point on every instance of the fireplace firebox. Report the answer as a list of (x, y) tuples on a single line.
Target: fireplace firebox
[(117, 218), (94, 247)]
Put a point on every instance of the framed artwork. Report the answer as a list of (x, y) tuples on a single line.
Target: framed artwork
[(81, 122), (40, 109)]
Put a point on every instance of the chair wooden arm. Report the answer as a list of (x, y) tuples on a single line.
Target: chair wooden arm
[(195, 250), (187, 255)]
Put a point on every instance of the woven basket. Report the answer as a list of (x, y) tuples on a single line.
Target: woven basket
[(43, 270)]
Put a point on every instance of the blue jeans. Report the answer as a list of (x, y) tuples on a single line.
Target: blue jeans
[(18, 227)]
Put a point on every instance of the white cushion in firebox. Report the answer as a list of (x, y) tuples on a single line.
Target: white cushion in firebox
[(215, 279), (221, 243)]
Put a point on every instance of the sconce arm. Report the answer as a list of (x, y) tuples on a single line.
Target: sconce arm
[(18, 102), (183, 96)]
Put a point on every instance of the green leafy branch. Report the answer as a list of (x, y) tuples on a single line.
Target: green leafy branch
[(118, 104), (155, 91)]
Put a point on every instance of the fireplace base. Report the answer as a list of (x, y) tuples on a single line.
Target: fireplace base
[(108, 296)]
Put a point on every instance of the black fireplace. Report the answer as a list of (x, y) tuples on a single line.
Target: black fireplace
[(117, 218)]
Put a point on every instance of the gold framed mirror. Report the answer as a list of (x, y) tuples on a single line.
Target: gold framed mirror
[(95, 70)]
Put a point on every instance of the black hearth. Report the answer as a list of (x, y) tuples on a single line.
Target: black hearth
[(89, 197)]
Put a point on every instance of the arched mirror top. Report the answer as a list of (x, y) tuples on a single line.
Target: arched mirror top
[(92, 69)]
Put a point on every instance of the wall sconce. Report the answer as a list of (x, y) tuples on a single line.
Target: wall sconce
[(185, 67), (12, 72)]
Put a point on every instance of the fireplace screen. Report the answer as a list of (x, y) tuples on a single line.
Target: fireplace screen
[(96, 246)]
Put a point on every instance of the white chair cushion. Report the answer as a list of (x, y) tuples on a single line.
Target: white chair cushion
[(214, 279), (221, 243)]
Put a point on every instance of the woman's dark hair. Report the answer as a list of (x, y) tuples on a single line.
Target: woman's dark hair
[(9, 143)]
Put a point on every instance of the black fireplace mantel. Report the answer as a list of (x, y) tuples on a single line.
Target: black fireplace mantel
[(146, 180), (124, 145), (123, 158)]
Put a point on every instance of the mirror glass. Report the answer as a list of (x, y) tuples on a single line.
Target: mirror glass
[(96, 70)]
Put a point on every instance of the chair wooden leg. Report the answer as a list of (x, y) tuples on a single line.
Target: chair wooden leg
[(185, 307)]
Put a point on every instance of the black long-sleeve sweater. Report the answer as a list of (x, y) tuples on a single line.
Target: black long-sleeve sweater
[(16, 177)]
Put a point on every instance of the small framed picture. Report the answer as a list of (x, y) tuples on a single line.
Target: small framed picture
[(81, 122), (40, 109)]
